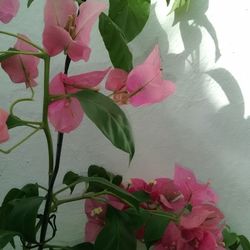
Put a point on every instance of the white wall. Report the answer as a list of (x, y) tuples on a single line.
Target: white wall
[(204, 126)]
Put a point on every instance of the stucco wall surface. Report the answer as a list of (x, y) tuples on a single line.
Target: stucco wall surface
[(205, 125)]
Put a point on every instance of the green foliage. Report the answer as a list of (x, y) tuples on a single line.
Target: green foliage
[(14, 121), (110, 188), (29, 3), (109, 118), (180, 4), (70, 178), (154, 228), (96, 171), (4, 56), (117, 234), (233, 241), (115, 43), (18, 214), (245, 244), (130, 15), (7, 237)]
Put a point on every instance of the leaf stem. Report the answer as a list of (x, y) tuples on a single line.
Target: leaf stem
[(23, 39), (20, 142), (22, 52)]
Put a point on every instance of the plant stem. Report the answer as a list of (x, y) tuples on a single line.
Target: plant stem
[(81, 197), (52, 172), (46, 130)]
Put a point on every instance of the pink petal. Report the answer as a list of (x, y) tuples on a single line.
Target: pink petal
[(57, 85), (89, 12), (137, 185), (77, 51), (92, 229), (65, 115), (197, 216), (208, 242), (154, 59), (56, 12), (90, 205), (4, 134), (8, 9), (85, 81), (116, 80), (55, 39), (145, 82), (22, 68), (194, 192)]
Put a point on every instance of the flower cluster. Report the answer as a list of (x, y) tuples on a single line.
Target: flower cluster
[(200, 222)]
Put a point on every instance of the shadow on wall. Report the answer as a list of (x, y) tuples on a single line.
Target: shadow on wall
[(214, 142)]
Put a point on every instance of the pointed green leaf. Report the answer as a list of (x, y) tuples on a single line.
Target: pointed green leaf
[(69, 178), (244, 242), (229, 238), (19, 215), (109, 118), (29, 3), (180, 4), (6, 237), (130, 15), (155, 227), (14, 121), (115, 43), (116, 234)]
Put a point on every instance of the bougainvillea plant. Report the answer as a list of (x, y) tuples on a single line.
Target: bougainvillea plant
[(164, 213)]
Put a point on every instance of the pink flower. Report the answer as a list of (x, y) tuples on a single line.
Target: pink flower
[(8, 9), (144, 85), (67, 31), (22, 68), (4, 135), (96, 213), (66, 114), (172, 239), (202, 227), (164, 191), (194, 192)]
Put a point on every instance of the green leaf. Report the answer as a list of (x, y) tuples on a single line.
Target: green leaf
[(29, 3), (135, 218), (168, 2), (6, 237), (116, 234), (115, 43), (109, 118), (155, 227), (229, 238), (69, 178), (244, 242), (19, 215), (14, 121), (130, 15), (29, 190), (142, 196), (180, 4), (96, 171), (117, 180)]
